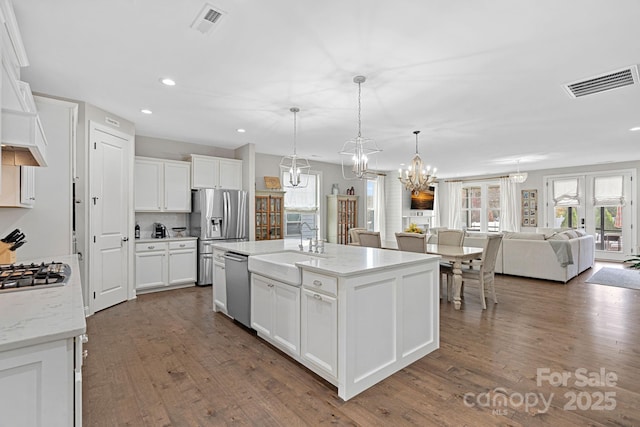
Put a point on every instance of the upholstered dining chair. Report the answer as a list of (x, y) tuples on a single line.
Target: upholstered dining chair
[(370, 239), (451, 237), (354, 235), (482, 271), (412, 242)]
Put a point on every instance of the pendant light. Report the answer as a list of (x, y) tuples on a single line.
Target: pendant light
[(295, 169), (518, 177), (417, 177), (359, 149)]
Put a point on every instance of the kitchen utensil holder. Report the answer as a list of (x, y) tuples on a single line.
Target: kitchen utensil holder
[(7, 256)]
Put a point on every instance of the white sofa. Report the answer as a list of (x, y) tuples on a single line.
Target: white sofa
[(532, 254)]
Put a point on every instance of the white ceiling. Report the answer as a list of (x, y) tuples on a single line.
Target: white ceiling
[(482, 80)]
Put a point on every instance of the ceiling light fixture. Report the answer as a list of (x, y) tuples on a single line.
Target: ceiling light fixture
[(240, 130), (518, 177), (294, 167), (167, 81), (146, 111), (416, 177), (634, 129), (358, 149)]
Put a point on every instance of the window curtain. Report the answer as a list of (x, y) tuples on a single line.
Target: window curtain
[(608, 191), (455, 204), (509, 206), (435, 222), (379, 217), (302, 198), (565, 192)]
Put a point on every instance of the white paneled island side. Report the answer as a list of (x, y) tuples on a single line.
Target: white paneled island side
[(358, 315)]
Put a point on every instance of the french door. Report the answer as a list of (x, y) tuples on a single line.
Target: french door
[(601, 204)]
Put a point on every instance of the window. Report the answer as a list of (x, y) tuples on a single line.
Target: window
[(370, 217), (481, 207), (302, 206)]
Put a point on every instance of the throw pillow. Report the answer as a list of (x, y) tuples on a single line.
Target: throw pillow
[(558, 236), (571, 233)]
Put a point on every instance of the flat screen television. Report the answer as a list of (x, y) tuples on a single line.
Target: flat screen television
[(423, 201)]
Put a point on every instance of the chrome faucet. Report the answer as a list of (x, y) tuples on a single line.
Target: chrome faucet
[(313, 243)]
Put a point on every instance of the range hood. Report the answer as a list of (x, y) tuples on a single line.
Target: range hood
[(23, 140)]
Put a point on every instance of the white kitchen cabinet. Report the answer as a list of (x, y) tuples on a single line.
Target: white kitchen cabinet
[(219, 282), (37, 385), (18, 187), (182, 262), (152, 268), (215, 172), (275, 313), (319, 331), (162, 185), (27, 185)]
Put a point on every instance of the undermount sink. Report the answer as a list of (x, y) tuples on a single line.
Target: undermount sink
[(281, 266)]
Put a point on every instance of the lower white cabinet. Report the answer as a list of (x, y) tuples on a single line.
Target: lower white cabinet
[(37, 385), (275, 312), (219, 282), (162, 264), (319, 331)]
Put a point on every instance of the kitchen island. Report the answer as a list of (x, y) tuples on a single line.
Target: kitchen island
[(41, 333), (359, 315)]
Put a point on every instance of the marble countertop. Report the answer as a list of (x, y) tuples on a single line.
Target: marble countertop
[(338, 260), (37, 316), (166, 239)]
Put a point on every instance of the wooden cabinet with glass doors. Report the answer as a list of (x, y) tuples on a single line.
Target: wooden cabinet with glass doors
[(269, 215), (342, 215)]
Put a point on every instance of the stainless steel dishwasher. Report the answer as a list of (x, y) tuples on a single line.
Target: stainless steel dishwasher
[(238, 287)]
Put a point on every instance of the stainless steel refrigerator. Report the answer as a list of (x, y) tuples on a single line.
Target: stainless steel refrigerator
[(216, 215)]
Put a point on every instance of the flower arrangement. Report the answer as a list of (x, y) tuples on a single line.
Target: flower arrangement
[(413, 228)]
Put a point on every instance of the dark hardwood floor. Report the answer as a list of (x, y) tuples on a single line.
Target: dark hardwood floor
[(166, 359)]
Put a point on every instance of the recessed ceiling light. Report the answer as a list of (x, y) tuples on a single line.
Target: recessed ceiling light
[(240, 130), (167, 81), (146, 111), (635, 129)]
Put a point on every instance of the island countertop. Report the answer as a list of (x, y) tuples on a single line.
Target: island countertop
[(37, 316), (337, 260)]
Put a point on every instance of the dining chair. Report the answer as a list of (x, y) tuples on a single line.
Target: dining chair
[(354, 235), (482, 271), (370, 239), (449, 237), (412, 242)]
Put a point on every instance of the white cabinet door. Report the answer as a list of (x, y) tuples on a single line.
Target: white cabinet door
[(319, 331), (151, 269), (36, 385), (230, 174), (286, 316), (219, 288), (204, 172), (177, 187), (28, 185), (262, 305), (148, 185), (182, 265)]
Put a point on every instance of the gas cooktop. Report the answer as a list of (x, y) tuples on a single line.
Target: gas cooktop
[(20, 277)]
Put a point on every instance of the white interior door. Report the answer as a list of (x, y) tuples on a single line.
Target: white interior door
[(109, 217)]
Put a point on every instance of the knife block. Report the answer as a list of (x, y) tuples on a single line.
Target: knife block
[(7, 256)]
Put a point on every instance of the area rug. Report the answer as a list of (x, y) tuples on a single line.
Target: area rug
[(620, 277)]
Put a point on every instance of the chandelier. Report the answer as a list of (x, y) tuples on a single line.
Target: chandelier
[(416, 177), (295, 168), (359, 149), (518, 177)]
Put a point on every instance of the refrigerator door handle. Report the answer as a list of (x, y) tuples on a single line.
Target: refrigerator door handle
[(226, 212)]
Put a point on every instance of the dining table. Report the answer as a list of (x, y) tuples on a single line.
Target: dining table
[(455, 255)]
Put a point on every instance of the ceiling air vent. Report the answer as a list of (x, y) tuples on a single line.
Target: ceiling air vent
[(207, 19), (604, 82)]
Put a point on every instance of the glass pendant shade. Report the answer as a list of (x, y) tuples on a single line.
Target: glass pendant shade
[(417, 177), (295, 169), (518, 177), (358, 150)]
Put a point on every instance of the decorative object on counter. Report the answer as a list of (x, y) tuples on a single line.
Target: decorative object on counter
[(358, 149), (159, 231), (417, 177), (272, 183), (529, 208), (137, 231), (294, 167), (9, 244), (413, 228), (178, 231), (335, 190)]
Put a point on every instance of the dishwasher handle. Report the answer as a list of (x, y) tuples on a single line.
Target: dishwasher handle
[(236, 257)]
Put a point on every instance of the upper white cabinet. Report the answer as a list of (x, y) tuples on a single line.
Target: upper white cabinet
[(162, 185), (18, 187), (215, 172)]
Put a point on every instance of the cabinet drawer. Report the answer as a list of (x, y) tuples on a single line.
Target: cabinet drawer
[(182, 244), (320, 282), (218, 255), (148, 247)]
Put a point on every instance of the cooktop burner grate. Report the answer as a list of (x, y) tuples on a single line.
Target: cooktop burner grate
[(17, 277)]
